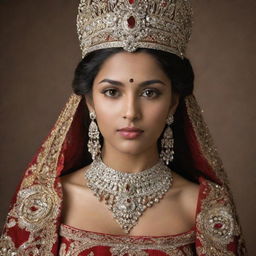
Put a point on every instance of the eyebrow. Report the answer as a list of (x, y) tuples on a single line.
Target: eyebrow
[(143, 84)]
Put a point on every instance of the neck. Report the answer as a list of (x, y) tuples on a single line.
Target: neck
[(130, 163)]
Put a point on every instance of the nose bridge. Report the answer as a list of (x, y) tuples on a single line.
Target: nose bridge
[(132, 108)]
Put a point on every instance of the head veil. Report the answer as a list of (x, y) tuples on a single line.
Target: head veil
[(34, 217), (33, 220)]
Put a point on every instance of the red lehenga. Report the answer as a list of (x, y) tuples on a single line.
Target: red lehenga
[(33, 225), (83, 243)]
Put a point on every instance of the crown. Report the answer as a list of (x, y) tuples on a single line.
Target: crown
[(156, 24)]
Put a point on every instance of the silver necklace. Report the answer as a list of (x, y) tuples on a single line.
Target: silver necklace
[(128, 195)]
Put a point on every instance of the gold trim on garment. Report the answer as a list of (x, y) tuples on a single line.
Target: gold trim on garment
[(38, 201), (121, 245), (216, 222), (204, 138)]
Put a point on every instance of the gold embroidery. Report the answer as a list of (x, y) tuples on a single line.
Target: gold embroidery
[(36, 206), (204, 137), (63, 249), (124, 249), (185, 251), (33, 208), (216, 222), (7, 246), (38, 202), (127, 245), (210, 153)]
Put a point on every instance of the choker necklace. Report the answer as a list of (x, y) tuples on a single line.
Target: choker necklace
[(128, 195)]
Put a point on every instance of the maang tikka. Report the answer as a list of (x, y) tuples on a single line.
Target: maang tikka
[(94, 146), (167, 142)]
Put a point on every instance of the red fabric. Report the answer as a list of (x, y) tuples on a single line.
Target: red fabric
[(74, 155), (119, 240)]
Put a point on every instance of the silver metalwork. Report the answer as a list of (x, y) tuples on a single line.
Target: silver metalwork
[(128, 195), (167, 142), (94, 146), (131, 24)]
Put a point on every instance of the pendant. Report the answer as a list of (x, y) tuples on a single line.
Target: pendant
[(128, 195)]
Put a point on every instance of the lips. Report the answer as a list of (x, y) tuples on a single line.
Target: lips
[(130, 132), (130, 129)]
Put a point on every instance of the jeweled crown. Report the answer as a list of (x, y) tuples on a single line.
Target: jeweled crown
[(157, 24)]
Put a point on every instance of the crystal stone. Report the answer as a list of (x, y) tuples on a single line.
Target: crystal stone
[(218, 225), (131, 22)]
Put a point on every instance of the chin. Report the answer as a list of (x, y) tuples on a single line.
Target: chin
[(132, 148)]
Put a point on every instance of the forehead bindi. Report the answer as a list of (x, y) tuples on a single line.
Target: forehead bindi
[(131, 69), (140, 84)]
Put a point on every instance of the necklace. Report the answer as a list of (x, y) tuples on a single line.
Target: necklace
[(128, 195)]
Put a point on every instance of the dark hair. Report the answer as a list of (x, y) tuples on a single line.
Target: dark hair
[(178, 70), (181, 75)]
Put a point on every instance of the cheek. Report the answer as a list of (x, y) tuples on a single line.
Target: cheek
[(156, 114), (106, 115)]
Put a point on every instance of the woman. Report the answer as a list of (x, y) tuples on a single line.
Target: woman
[(129, 168)]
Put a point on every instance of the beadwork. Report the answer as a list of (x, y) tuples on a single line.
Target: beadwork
[(128, 195), (156, 24)]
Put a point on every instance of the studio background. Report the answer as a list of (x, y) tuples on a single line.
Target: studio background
[(39, 51)]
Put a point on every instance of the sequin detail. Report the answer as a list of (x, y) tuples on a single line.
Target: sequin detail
[(216, 223), (80, 241), (38, 201), (155, 24)]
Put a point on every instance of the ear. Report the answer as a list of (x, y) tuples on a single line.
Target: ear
[(89, 102), (175, 103)]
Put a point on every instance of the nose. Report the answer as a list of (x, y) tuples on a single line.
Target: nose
[(131, 108)]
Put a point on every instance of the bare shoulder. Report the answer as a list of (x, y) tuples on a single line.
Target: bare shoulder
[(74, 189), (75, 178), (188, 194)]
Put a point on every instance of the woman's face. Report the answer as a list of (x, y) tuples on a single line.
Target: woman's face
[(131, 90)]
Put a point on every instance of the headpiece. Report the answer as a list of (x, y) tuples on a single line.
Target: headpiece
[(156, 24), (33, 222)]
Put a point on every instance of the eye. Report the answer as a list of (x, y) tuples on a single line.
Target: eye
[(150, 93), (110, 92)]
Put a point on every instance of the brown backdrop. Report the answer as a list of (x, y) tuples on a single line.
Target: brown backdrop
[(39, 51)]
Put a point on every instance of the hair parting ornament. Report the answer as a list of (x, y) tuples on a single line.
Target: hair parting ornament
[(131, 24)]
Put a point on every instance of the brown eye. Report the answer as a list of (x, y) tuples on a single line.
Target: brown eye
[(110, 92), (150, 93)]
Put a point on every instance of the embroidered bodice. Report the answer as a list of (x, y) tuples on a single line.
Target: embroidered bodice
[(33, 223), (214, 234), (87, 243)]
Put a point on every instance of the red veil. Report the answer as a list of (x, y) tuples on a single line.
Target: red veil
[(33, 221)]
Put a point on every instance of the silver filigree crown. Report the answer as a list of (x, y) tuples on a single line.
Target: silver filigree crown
[(156, 24)]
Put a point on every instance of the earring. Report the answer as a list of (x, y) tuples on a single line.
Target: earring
[(94, 137), (167, 142)]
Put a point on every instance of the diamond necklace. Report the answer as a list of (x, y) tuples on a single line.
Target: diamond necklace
[(128, 195)]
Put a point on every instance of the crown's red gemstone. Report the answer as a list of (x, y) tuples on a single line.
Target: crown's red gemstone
[(218, 226), (131, 22), (131, 1), (164, 4)]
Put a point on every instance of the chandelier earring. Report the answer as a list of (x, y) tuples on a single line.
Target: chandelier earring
[(94, 146), (167, 142)]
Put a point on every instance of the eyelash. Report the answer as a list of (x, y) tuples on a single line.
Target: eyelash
[(157, 92), (108, 90)]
